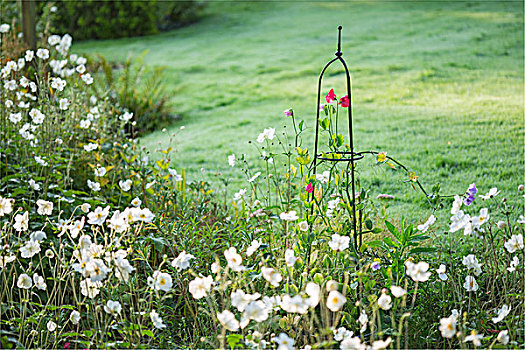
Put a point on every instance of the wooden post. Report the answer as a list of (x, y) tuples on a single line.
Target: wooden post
[(29, 22)]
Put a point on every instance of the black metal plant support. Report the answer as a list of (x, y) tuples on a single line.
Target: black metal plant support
[(350, 157)]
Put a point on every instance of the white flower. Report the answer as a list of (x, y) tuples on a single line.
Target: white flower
[(323, 178), (501, 224), (98, 216), (63, 104), (384, 301), (90, 147), (231, 160), (58, 84), (303, 226), (266, 134), (255, 310), (239, 194), (41, 161), (271, 275), (290, 258), (44, 207), (126, 117), (113, 307), (253, 247), (162, 281), (81, 69), (284, 341), (136, 202), (93, 185), (314, 294), (502, 313), (335, 301), (53, 40), (470, 284), (381, 344), (34, 185), (514, 243), (397, 291), (483, 217), (289, 216), (240, 299), (38, 236), (176, 176), (513, 264), (339, 243), (200, 287), (42, 53), (352, 343), (342, 333), (30, 249), (447, 326), (24, 281), (182, 261), (296, 304), (363, 320), (74, 317), (4, 260), (521, 220), (493, 192), (459, 221), (474, 337), (125, 185), (441, 272), (144, 215), (471, 262), (51, 326), (503, 337), (21, 222), (227, 320), (157, 321), (29, 55), (234, 260), (10, 85), (255, 176), (15, 117), (84, 124), (4, 28), (6, 206), (418, 272), (100, 171), (87, 78), (430, 221)]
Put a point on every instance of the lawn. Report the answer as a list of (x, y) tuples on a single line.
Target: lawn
[(437, 85)]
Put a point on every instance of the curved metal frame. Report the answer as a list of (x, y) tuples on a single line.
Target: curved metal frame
[(353, 156)]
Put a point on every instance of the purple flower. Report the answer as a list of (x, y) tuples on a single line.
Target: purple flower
[(375, 266), (471, 194), (472, 190), (321, 107)]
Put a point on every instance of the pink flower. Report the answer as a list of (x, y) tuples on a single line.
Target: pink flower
[(330, 96), (344, 101), (66, 345), (288, 112), (385, 196), (309, 188)]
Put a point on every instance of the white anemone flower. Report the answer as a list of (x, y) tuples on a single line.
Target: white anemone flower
[(289, 215), (430, 221), (447, 326), (200, 287), (514, 243), (470, 284), (24, 281), (240, 299), (502, 313), (182, 261), (21, 222), (384, 301), (44, 207), (253, 247), (339, 243), (335, 301), (113, 308), (227, 320), (234, 259), (157, 320), (284, 342), (441, 272), (271, 275), (493, 192)]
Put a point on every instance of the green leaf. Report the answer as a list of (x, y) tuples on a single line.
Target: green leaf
[(233, 339), (148, 333), (369, 224), (393, 230), (377, 230)]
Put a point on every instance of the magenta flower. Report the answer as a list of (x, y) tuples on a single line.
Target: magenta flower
[(344, 101), (309, 188), (330, 96), (288, 112)]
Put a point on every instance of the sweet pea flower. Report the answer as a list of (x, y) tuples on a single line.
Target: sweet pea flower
[(330, 96), (344, 101)]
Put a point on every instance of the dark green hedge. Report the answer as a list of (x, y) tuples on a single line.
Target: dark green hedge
[(106, 19)]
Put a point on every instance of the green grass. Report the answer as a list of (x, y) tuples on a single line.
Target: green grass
[(437, 85)]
